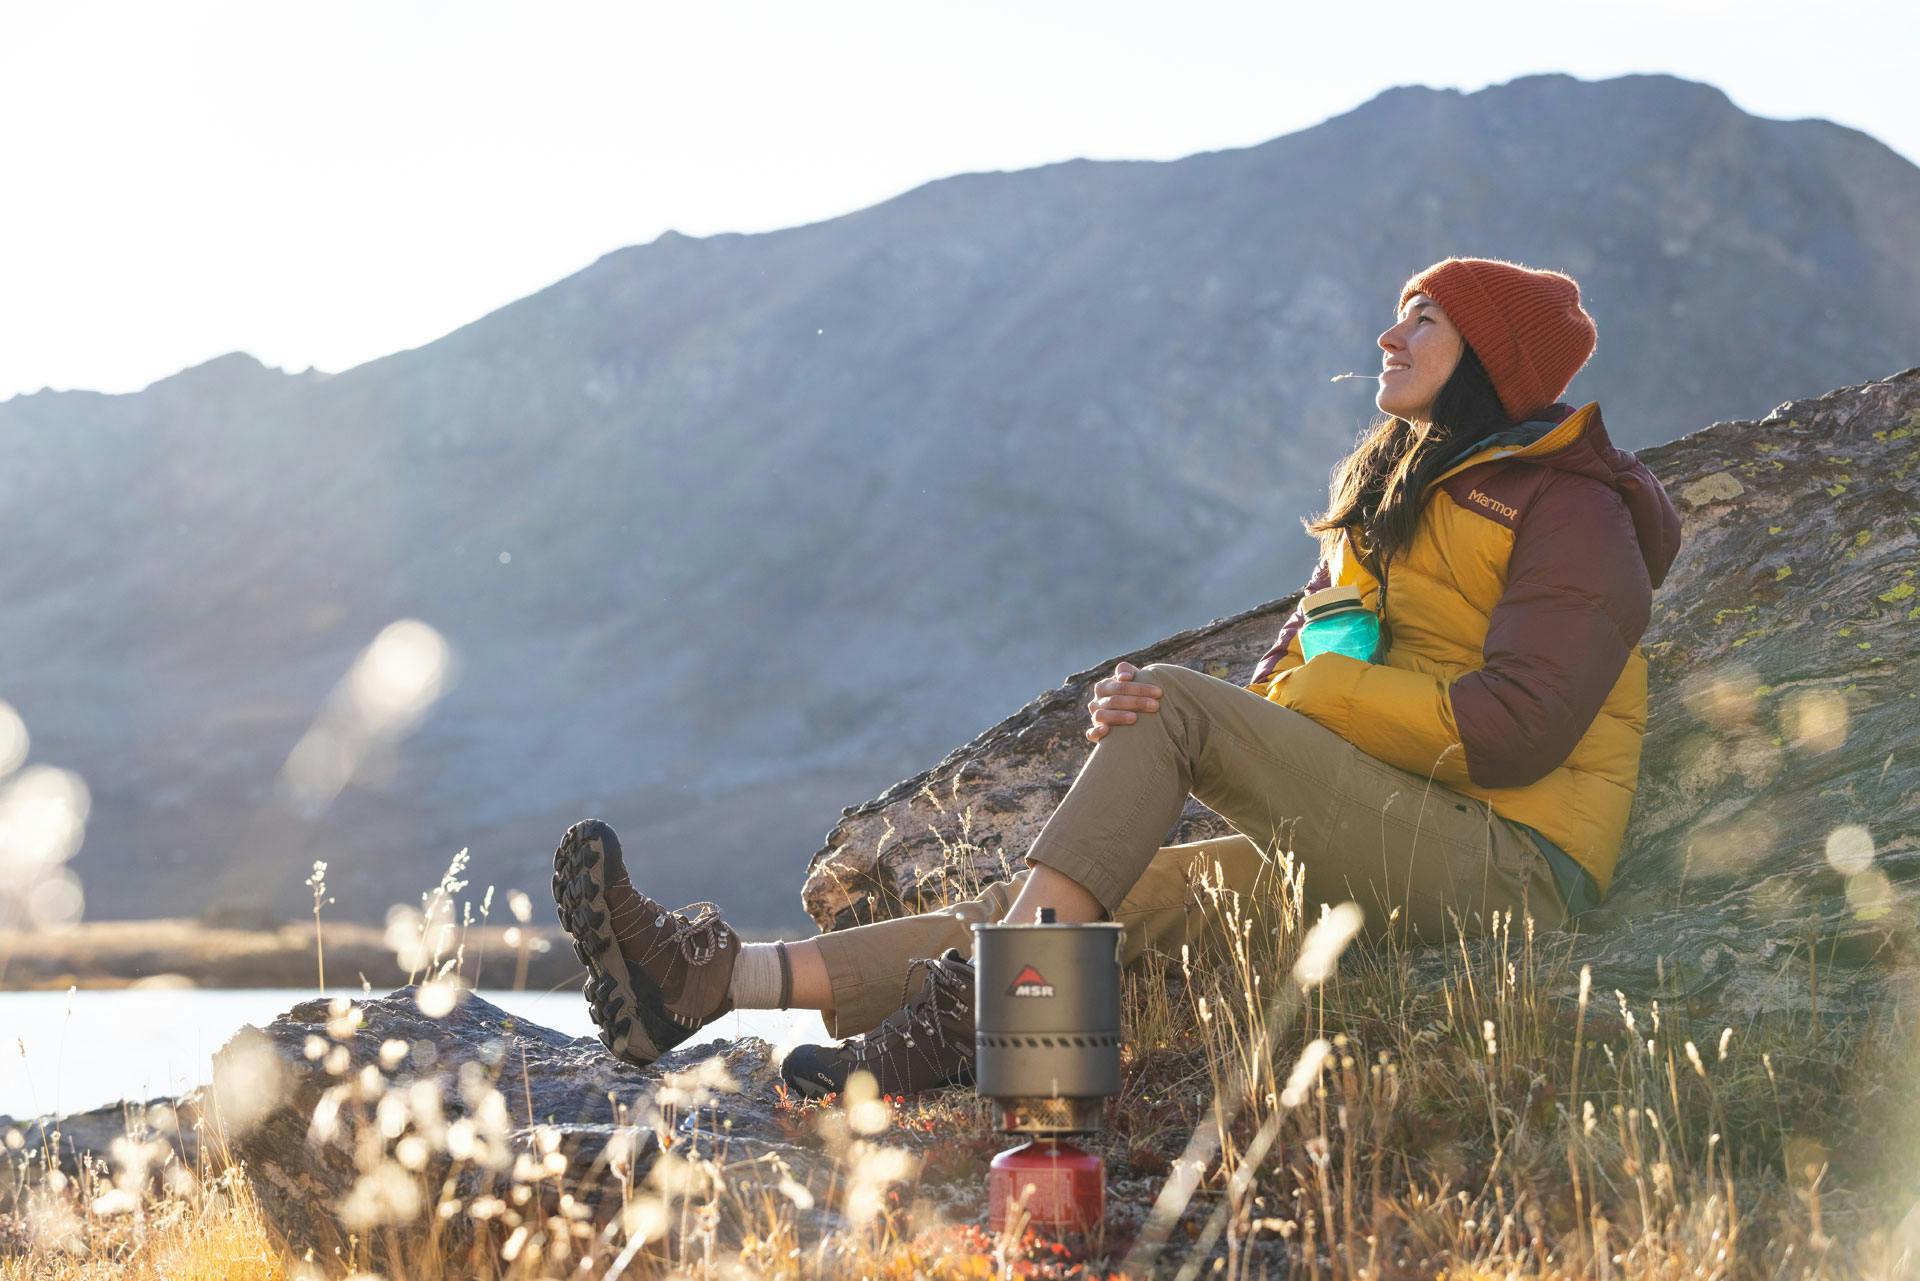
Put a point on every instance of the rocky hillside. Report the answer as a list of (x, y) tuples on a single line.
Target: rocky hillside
[(1777, 825), (720, 530)]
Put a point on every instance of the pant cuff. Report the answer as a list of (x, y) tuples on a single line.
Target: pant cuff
[(863, 994), (1092, 873)]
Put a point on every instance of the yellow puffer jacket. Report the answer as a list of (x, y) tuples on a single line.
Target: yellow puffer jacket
[(1513, 671)]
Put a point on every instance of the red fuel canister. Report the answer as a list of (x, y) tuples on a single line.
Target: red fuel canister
[(1060, 1187)]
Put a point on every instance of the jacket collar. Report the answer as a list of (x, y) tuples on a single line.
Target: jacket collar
[(1575, 440), (1547, 431)]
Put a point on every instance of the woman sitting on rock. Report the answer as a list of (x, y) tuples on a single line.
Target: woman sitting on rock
[(1483, 762)]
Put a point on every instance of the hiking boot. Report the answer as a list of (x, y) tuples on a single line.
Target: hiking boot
[(654, 977), (926, 1044)]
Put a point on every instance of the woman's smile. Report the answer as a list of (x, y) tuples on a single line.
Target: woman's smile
[(1425, 326)]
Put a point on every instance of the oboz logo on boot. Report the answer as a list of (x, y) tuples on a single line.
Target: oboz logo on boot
[(1030, 983)]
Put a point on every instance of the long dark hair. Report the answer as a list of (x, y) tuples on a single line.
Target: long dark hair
[(1377, 488)]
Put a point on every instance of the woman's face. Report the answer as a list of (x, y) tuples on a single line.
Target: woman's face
[(1418, 356)]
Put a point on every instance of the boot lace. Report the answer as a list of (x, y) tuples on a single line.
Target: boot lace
[(698, 932), (938, 1003)]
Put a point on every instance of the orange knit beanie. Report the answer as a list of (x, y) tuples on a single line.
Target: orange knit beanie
[(1526, 326)]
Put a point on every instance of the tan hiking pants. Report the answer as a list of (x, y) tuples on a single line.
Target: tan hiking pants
[(1363, 830)]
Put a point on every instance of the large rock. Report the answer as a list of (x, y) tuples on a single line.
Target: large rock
[(136, 1143), (377, 1119), (970, 818), (1776, 813), (1774, 830), (378, 1132)]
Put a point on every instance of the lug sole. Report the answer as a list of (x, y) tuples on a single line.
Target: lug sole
[(634, 1024)]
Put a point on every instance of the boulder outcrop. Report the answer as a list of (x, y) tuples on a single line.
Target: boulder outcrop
[(351, 1115), (1775, 828)]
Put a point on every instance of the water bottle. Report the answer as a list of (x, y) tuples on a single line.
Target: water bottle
[(1338, 623)]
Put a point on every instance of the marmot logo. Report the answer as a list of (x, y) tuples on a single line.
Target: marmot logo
[(1028, 982), (1511, 513)]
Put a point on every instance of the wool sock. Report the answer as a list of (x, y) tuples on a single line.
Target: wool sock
[(756, 982)]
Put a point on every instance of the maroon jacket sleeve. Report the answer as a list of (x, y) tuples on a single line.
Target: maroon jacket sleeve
[(1322, 577), (1577, 601)]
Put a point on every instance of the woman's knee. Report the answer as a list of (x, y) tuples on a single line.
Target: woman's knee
[(1173, 680)]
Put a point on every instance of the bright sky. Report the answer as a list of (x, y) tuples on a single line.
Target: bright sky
[(321, 184)]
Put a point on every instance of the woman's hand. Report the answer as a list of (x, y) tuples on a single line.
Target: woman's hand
[(1119, 700)]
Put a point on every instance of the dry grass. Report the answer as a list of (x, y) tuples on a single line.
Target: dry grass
[(1473, 1111), (142, 1218)]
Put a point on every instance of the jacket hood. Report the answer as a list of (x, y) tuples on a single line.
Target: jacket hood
[(1575, 440)]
